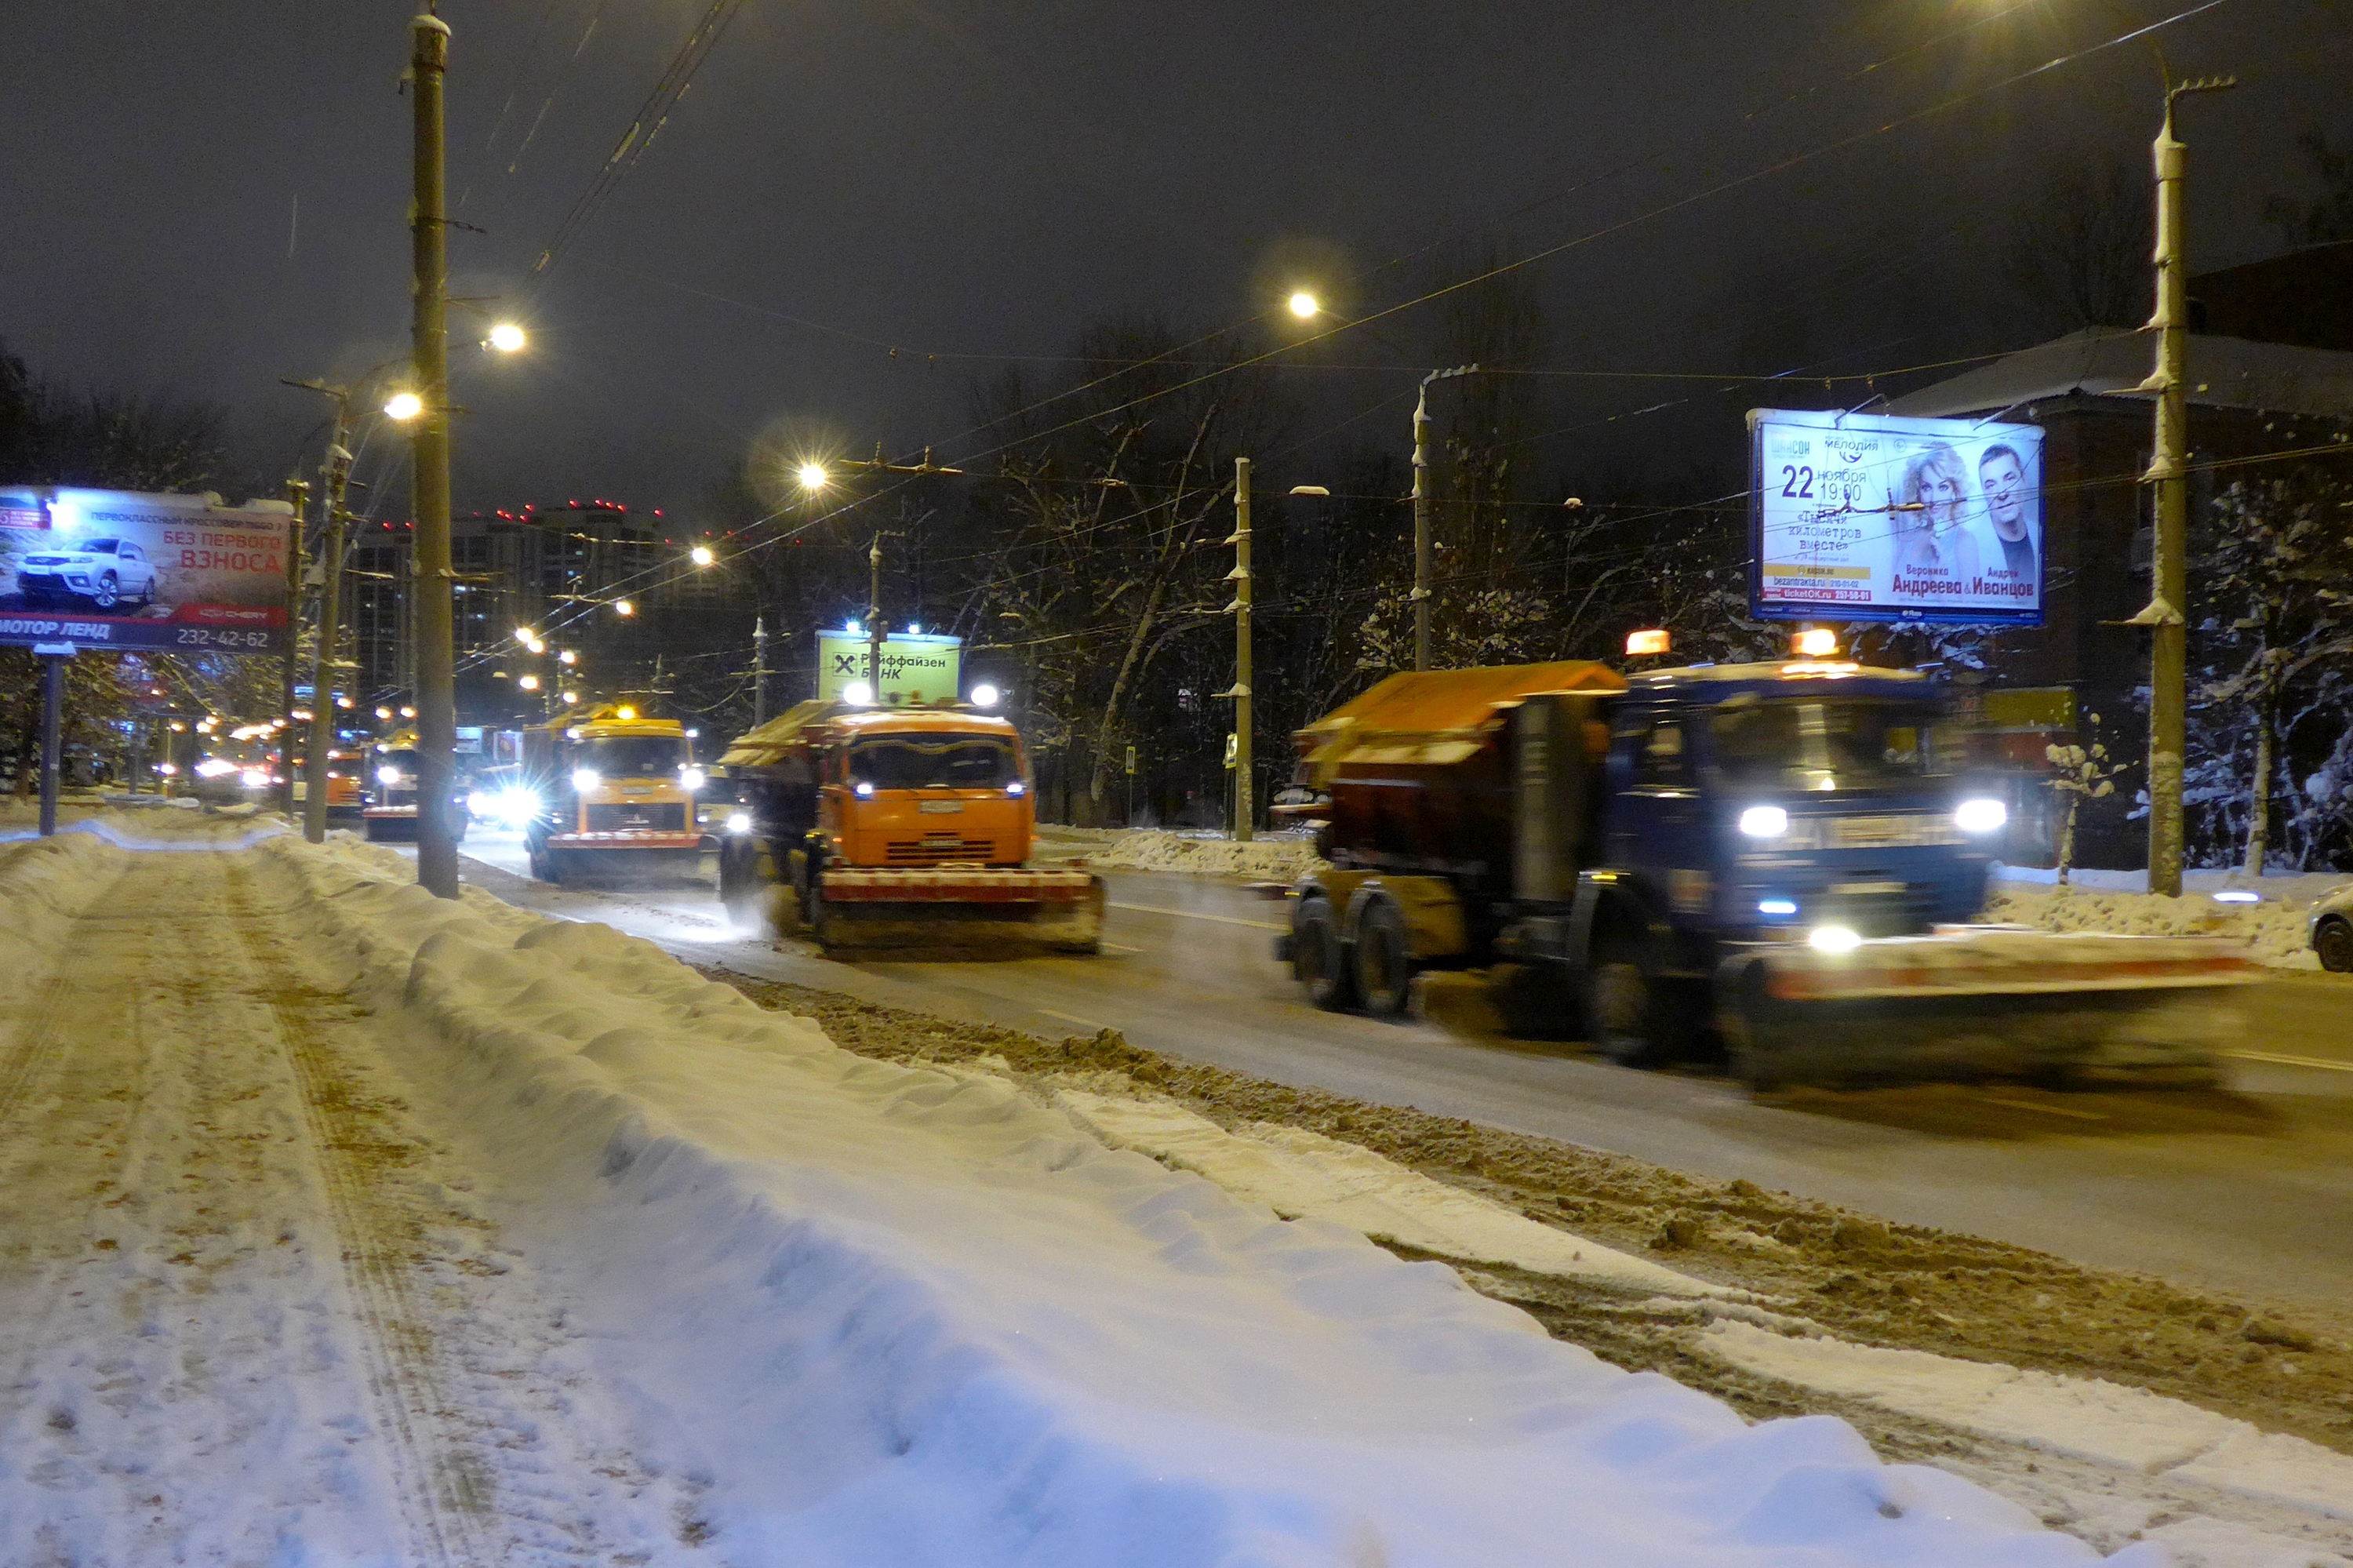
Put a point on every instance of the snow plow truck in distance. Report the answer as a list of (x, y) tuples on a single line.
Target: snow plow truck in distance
[(905, 827), (617, 792), (1783, 852), (389, 795)]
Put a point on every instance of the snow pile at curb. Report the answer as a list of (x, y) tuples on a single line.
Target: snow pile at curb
[(1157, 848), (894, 1314), (1296, 1173), (2273, 931), (2085, 1418), (43, 884)]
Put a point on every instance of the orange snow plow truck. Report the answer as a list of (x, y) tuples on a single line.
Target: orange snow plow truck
[(895, 828)]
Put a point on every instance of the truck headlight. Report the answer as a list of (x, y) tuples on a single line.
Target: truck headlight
[(739, 822), (863, 788), (388, 777), (1834, 938), (692, 779), (478, 804), (586, 778), (1016, 787), (1985, 815), (254, 778), (516, 807), (1764, 821)]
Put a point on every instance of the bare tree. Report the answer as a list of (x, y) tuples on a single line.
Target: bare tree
[(2328, 218), (2080, 256)]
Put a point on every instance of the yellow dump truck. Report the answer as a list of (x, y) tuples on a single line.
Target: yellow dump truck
[(895, 828), (388, 790), (617, 795)]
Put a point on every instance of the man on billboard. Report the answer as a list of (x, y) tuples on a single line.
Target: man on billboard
[(2001, 473)]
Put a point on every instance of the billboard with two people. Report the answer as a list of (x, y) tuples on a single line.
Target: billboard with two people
[(1873, 517), (112, 568)]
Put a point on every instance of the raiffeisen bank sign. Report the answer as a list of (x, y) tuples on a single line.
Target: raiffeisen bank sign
[(1872, 517), (916, 668)]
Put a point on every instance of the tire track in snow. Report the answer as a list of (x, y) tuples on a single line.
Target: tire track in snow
[(45, 1021), (447, 1495)]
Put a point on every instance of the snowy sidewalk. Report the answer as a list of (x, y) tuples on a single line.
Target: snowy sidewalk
[(348, 1225)]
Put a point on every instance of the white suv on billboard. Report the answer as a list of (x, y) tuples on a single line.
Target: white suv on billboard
[(104, 571)]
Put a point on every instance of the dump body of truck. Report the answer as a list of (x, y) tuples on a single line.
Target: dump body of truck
[(1783, 852), (895, 828), (617, 792)]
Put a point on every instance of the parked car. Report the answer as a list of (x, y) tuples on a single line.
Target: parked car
[(2332, 931), (104, 571)]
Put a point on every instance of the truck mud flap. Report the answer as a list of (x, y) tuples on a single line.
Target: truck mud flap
[(2094, 1009), (984, 911)]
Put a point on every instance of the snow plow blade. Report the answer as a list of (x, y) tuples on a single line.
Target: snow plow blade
[(1986, 1003), (984, 910)]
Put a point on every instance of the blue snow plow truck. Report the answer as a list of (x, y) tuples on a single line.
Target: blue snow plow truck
[(1784, 855)]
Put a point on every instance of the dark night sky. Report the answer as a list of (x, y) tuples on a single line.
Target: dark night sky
[(984, 180)]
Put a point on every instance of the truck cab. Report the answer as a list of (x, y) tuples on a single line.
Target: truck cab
[(923, 787), (617, 793), (388, 789)]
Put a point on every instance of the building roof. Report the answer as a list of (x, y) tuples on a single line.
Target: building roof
[(2112, 362)]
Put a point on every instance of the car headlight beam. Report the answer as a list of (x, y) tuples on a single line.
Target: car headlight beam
[(1982, 814), (1764, 821)]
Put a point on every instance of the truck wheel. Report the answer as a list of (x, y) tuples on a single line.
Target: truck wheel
[(739, 879), (2334, 942), (1629, 1013), (1318, 960), (1384, 972)]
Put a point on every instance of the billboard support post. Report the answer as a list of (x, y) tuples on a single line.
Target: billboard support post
[(53, 656), (437, 711), (335, 471)]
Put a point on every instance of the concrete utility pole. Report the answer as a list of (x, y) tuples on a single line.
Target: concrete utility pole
[(874, 622), (437, 712), (2167, 476), (759, 671), (334, 472), (1245, 806), (1421, 501), (298, 495)]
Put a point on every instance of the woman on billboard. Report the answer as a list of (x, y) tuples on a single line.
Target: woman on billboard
[(1936, 554)]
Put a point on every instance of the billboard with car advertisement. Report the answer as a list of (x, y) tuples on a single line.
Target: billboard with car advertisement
[(916, 668), (1874, 517), (113, 568)]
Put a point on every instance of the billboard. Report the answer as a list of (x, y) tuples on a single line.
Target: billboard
[(1874, 517), (113, 568), (916, 668)]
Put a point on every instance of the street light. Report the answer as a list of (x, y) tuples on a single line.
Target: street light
[(404, 406), (700, 556), (623, 606), (569, 656), (812, 475), (1305, 306), (507, 338)]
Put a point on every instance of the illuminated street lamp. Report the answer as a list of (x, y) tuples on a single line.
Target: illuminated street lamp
[(506, 337), (700, 556), (404, 406), (623, 606), (528, 682), (569, 656), (812, 475), (1305, 306)]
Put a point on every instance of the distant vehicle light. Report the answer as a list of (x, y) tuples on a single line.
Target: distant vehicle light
[(515, 806), (692, 779), (254, 778), (1653, 640), (985, 696), (478, 804), (1764, 821), (2238, 896), (388, 777), (739, 822), (865, 790), (213, 767), (586, 778), (1980, 816), (1816, 642), (1016, 787), (1777, 907), (1833, 939), (168, 769), (858, 694)]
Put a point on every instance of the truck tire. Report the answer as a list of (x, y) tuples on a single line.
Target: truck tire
[(2333, 940), (1384, 973), (1632, 1015), (1318, 959)]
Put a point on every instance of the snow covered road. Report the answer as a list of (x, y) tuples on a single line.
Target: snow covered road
[(345, 1225)]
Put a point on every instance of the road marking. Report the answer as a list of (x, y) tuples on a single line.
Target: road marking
[(1070, 1018), (2049, 1110), (1189, 915), (2294, 1061)]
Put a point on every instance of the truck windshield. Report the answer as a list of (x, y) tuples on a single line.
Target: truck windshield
[(634, 756), (1849, 744), (934, 762)]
